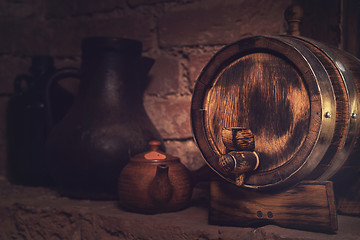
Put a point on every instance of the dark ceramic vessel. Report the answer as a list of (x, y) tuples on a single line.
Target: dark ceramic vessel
[(107, 123), (27, 125)]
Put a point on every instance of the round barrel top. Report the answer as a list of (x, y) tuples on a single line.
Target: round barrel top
[(277, 88)]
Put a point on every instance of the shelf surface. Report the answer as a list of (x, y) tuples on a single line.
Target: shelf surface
[(40, 213)]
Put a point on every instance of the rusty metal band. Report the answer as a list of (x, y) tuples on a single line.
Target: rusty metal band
[(353, 105)]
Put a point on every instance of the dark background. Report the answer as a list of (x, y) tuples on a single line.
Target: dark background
[(181, 35)]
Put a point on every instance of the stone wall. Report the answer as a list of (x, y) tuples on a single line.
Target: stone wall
[(181, 35)]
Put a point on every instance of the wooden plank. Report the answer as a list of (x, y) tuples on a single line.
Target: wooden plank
[(309, 206)]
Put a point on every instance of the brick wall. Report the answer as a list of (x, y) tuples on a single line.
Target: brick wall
[(181, 35)]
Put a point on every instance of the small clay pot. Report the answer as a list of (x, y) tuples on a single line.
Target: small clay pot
[(154, 182)]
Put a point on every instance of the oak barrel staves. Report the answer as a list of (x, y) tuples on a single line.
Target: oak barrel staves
[(298, 97)]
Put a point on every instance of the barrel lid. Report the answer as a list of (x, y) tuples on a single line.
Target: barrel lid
[(277, 88)]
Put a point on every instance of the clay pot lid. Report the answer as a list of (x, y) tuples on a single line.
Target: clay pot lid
[(154, 155)]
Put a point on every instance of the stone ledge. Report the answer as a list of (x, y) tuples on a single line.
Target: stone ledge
[(39, 213)]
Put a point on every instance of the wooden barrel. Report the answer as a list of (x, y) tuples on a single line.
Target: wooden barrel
[(300, 99)]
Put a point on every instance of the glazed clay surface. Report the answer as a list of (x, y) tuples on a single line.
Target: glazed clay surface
[(154, 182)]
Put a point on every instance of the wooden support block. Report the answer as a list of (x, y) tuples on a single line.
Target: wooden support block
[(309, 206), (349, 200)]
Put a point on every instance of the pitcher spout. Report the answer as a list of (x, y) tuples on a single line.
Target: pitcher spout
[(161, 189)]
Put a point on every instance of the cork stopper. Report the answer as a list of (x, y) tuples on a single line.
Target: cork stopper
[(293, 16)]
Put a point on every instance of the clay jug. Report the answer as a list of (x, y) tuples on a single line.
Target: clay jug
[(154, 182), (27, 122), (107, 122)]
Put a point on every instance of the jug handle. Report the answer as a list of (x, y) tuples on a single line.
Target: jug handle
[(67, 72)]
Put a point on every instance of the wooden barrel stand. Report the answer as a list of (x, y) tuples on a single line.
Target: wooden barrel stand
[(309, 205), (269, 114)]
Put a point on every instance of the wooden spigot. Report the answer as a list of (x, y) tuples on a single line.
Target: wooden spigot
[(293, 16), (241, 157)]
